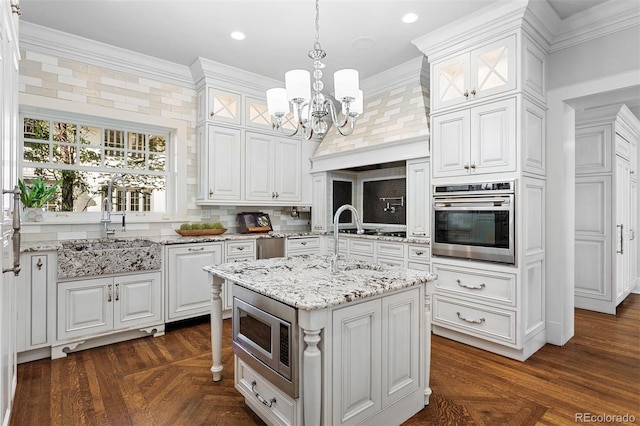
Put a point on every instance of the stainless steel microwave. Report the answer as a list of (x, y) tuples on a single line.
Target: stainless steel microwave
[(475, 221), (265, 336)]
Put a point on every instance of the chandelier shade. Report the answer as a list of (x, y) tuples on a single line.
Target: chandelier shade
[(309, 105)]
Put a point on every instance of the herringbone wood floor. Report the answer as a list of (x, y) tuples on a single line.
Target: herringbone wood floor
[(166, 381)]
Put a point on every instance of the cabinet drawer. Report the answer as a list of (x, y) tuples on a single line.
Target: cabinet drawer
[(484, 285), (311, 244), (342, 245), (244, 258), (483, 322), (361, 246), (419, 266), (387, 249), (419, 253), (240, 248), (282, 411), (392, 261)]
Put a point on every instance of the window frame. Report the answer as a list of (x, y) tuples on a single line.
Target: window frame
[(170, 154)]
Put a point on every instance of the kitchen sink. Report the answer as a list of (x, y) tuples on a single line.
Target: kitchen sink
[(81, 258)]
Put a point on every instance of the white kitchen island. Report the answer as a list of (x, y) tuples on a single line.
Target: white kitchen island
[(365, 340)]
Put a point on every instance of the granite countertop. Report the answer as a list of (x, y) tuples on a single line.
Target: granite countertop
[(36, 246), (306, 282)]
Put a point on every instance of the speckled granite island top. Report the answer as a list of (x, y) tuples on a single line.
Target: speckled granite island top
[(306, 282)]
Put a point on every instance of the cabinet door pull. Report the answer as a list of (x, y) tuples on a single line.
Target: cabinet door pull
[(466, 94), (211, 193), (420, 253), (470, 287), (632, 235), (466, 167), (39, 264), (621, 251), (478, 321), (473, 165), (109, 293), (268, 403), (473, 92), (118, 291), (304, 243), (196, 249), (211, 114), (16, 230), (240, 248)]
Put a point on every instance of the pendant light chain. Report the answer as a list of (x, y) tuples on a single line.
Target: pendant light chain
[(317, 22)]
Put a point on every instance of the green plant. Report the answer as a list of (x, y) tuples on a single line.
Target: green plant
[(36, 193), (217, 225), (196, 226), (207, 226), (185, 227)]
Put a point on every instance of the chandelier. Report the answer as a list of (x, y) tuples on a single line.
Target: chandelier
[(311, 109)]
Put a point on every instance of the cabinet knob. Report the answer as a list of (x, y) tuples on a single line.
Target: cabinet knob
[(304, 243), (466, 94), (117, 291), (473, 165), (473, 92), (39, 264), (466, 167), (211, 193), (211, 114), (109, 293)]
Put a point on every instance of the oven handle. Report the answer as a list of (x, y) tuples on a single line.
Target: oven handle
[(490, 202)]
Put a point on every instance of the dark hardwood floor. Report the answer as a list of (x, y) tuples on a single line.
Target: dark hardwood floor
[(166, 381)]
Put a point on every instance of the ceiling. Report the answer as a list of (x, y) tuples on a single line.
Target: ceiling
[(278, 33)]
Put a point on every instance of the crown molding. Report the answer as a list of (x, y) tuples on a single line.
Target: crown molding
[(598, 21), (205, 71), (48, 41), (413, 71), (463, 33)]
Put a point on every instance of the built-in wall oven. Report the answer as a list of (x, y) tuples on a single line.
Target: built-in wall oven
[(475, 221), (265, 336)]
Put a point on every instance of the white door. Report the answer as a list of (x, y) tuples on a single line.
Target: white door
[(224, 163), (621, 280), (259, 167), (137, 300), (451, 133), (451, 84), (418, 198), (9, 56), (85, 307), (288, 169), (493, 137)]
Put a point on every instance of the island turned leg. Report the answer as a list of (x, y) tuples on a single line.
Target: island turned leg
[(427, 346), (216, 327), (312, 323)]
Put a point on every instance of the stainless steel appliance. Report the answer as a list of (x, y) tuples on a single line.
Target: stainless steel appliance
[(265, 336), (270, 247), (475, 221)]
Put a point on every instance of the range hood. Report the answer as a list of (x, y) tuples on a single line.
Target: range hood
[(393, 127)]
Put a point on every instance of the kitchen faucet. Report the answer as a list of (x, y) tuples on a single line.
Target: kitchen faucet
[(336, 219), (107, 206)]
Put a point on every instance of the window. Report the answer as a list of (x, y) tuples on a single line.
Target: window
[(85, 153)]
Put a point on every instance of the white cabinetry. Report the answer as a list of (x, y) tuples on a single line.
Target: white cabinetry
[(480, 72), (479, 140), (35, 295), (221, 165), (418, 198), (235, 251), (319, 211), (273, 168), (302, 245), (488, 124), (374, 357), (606, 210), (100, 305), (241, 159), (188, 285)]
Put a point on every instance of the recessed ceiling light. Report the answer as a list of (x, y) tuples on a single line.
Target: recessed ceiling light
[(363, 43), (410, 18), (237, 35)]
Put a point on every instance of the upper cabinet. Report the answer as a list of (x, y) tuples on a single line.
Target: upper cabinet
[(242, 160), (475, 141), (475, 74), (219, 106)]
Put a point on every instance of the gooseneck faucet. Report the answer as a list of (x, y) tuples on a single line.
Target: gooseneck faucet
[(336, 219), (107, 207)]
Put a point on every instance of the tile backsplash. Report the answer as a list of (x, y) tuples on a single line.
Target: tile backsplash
[(388, 212)]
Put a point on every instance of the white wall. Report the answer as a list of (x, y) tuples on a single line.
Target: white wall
[(593, 67)]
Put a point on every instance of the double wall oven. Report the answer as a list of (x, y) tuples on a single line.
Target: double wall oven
[(475, 221)]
